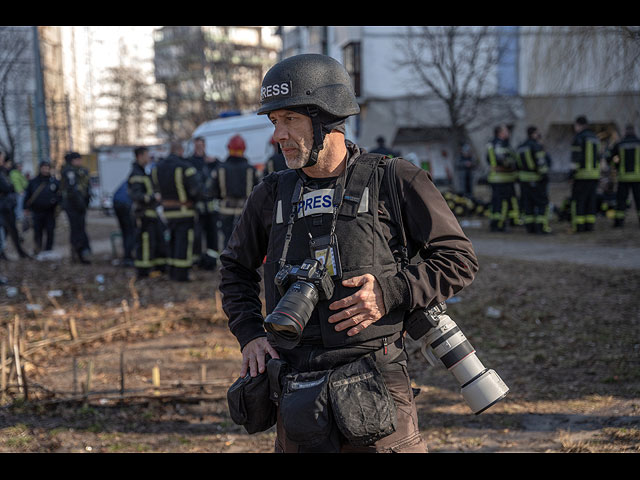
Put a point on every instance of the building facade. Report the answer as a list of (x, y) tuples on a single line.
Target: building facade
[(207, 71), (521, 76), (33, 104)]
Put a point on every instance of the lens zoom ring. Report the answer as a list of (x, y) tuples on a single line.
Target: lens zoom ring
[(444, 337), (452, 357)]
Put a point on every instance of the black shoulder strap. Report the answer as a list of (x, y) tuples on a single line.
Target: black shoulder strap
[(360, 176), (390, 175)]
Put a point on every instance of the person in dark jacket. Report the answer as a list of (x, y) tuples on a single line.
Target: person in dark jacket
[(207, 214), (332, 206), (502, 177), (122, 206), (625, 157), (236, 179), (382, 148), (8, 203), (42, 197), (533, 174), (150, 244), (179, 185), (75, 188), (465, 167), (584, 175)]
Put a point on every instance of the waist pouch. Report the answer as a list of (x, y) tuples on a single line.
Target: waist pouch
[(352, 397), (362, 405), (250, 405)]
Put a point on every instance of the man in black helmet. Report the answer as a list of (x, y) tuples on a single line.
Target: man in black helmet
[(76, 195), (333, 205)]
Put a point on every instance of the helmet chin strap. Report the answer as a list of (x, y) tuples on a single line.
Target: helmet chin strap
[(320, 128), (318, 136)]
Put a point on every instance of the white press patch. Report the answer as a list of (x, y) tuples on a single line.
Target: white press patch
[(320, 201)]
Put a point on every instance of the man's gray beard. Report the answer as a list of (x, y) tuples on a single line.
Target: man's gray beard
[(299, 161)]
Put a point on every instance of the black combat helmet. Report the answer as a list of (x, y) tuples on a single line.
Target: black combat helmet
[(313, 84)]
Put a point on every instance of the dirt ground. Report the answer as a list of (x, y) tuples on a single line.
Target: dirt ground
[(563, 335)]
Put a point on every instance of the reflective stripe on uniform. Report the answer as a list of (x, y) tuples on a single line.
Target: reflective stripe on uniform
[(188, 261), (249, 179), (182, 213), (634, 175), (591, 168), (222, 179), (144, 262)]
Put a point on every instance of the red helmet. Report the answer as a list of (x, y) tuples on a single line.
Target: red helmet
[(236, 145)]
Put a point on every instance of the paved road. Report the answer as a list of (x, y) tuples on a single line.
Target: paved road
[(545, 250), (617, 257)]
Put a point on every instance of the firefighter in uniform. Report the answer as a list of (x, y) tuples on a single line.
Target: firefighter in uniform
[(502, 177), (180, 187), (331, 204), (206, 207), (625, 157), (42, 197), (209, 215), (584, 174), (236, 179), (76, 195), (150, 244), (533, 169)]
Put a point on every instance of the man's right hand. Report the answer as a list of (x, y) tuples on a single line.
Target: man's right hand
[(253, 356)]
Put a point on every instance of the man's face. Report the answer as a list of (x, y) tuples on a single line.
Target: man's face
[(198, 146), (144, 158), (45, 170), (294, 133)]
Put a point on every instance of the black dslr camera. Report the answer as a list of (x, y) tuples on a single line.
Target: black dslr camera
[(301, 287)]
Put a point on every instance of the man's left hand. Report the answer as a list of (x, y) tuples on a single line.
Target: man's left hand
[(361, 309)]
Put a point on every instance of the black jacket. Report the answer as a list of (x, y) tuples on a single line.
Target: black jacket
[(140, 190), (585, 156), (447, 262), (8, 199), (236, 178), (42, 193), (75, 188), (179, 184)]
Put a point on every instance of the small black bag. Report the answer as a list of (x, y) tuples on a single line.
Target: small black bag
[(304, 407), (250, 405), (362, 406)]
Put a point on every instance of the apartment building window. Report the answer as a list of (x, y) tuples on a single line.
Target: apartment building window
[(352, 63), (508, 62)]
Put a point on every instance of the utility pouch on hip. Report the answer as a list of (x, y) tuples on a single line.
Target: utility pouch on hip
[(362, 405), (250, 405), (304, 408)]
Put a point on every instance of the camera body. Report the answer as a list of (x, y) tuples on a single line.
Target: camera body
[(301, 287), (311, 271), (444, 341)]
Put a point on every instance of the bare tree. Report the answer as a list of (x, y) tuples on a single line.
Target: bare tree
[(210, 73), (457, 65), (582, 59), (131, 100), (13, 43)]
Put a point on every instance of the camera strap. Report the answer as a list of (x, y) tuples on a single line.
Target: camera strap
[(296, 198), (390, 175)]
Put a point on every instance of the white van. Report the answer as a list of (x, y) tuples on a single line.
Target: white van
[(256, 130)]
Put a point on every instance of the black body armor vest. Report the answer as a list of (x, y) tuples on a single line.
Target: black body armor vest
[(361, 244)]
